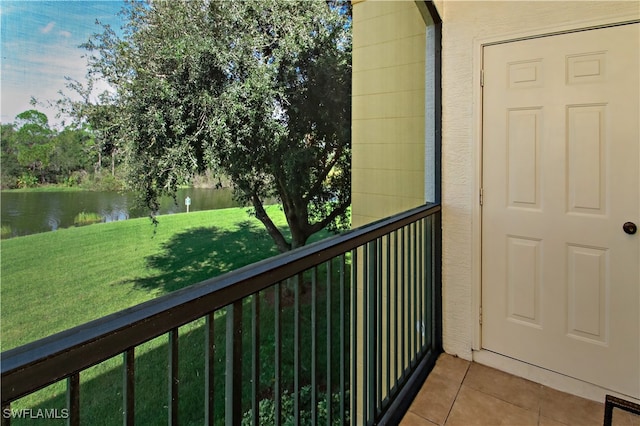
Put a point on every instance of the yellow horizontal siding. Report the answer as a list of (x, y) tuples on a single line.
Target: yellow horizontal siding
[(388, 107)]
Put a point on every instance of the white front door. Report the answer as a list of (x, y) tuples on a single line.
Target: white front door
[(560, 276)]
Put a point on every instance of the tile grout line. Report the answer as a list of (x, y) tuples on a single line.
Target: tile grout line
[(457, 393), (540, 395)]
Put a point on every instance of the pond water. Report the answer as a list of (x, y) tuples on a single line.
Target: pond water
[(32, 212)]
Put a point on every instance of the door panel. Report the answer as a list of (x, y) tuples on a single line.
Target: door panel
[(560, 278)]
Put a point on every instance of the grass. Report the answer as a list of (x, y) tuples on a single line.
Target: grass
[(5, 232), (84, 218), (56, 280)]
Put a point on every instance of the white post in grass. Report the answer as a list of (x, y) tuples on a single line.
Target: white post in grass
[(187, 202)]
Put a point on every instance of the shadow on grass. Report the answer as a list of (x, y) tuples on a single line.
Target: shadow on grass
[(202, 253), (101, 394)]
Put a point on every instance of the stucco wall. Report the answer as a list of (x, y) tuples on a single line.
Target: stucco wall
[(465, 26), (388, 128)]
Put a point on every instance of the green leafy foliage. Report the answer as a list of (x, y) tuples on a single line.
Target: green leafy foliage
[(6, 232), (27, 180), (257, 91), (84, 218), (267, 409), (34, 154), (33, 142)]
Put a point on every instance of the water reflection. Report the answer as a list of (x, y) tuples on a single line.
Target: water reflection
[(33, 212), (53, 223)]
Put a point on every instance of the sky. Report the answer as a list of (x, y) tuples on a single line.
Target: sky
[(39, 48)]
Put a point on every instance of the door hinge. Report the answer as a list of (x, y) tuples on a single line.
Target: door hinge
[(481, 78), (481, 195), (480, 319)]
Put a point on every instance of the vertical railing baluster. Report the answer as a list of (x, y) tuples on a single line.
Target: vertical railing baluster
[(343, 365), (233, 379), (174, 379), (365, 334), (372, 330), (329, 307), (396, 319), (296, 353), (128, 394), (428, 309), (378, 325), (417, 293), (437, 282), (420, 325), (209, 368), (428, 280), (73, 399), (427, 285), (416, 284), (408, 326), (314, 346), (277, 386), (388, 314), (255, 358), (403, 312), (412, 298), (412, 295), (237, 355), (354, 336)]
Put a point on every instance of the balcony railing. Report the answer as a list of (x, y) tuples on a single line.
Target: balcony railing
[(343, 331)]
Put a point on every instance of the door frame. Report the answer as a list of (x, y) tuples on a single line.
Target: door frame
[(476, 223)]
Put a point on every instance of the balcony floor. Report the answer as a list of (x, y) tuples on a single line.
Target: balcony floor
[(459, 392)]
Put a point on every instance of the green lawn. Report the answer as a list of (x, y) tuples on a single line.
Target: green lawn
[(56, 280)]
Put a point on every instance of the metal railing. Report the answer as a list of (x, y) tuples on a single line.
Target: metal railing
[(343, 331)]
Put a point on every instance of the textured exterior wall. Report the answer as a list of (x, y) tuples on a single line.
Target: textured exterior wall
[(388, 128), (465, 25)]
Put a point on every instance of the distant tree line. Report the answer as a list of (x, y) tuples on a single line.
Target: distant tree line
[(33, 154)]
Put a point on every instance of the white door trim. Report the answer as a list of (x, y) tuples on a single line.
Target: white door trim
[(477, 66)]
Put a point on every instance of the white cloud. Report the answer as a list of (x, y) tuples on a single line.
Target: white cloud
[(47, 29), (40, 75), (33, 62)]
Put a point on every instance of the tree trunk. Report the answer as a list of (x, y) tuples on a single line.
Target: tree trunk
[(272, 229), (299, 234)]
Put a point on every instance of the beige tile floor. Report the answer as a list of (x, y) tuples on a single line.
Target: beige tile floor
[(459, 392)]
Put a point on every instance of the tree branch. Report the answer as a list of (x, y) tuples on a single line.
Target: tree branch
[(325, 172), (327, 220)]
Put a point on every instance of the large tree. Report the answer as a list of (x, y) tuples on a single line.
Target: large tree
[(257, 90), (34, 142), (97, 114), (10, 168)]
